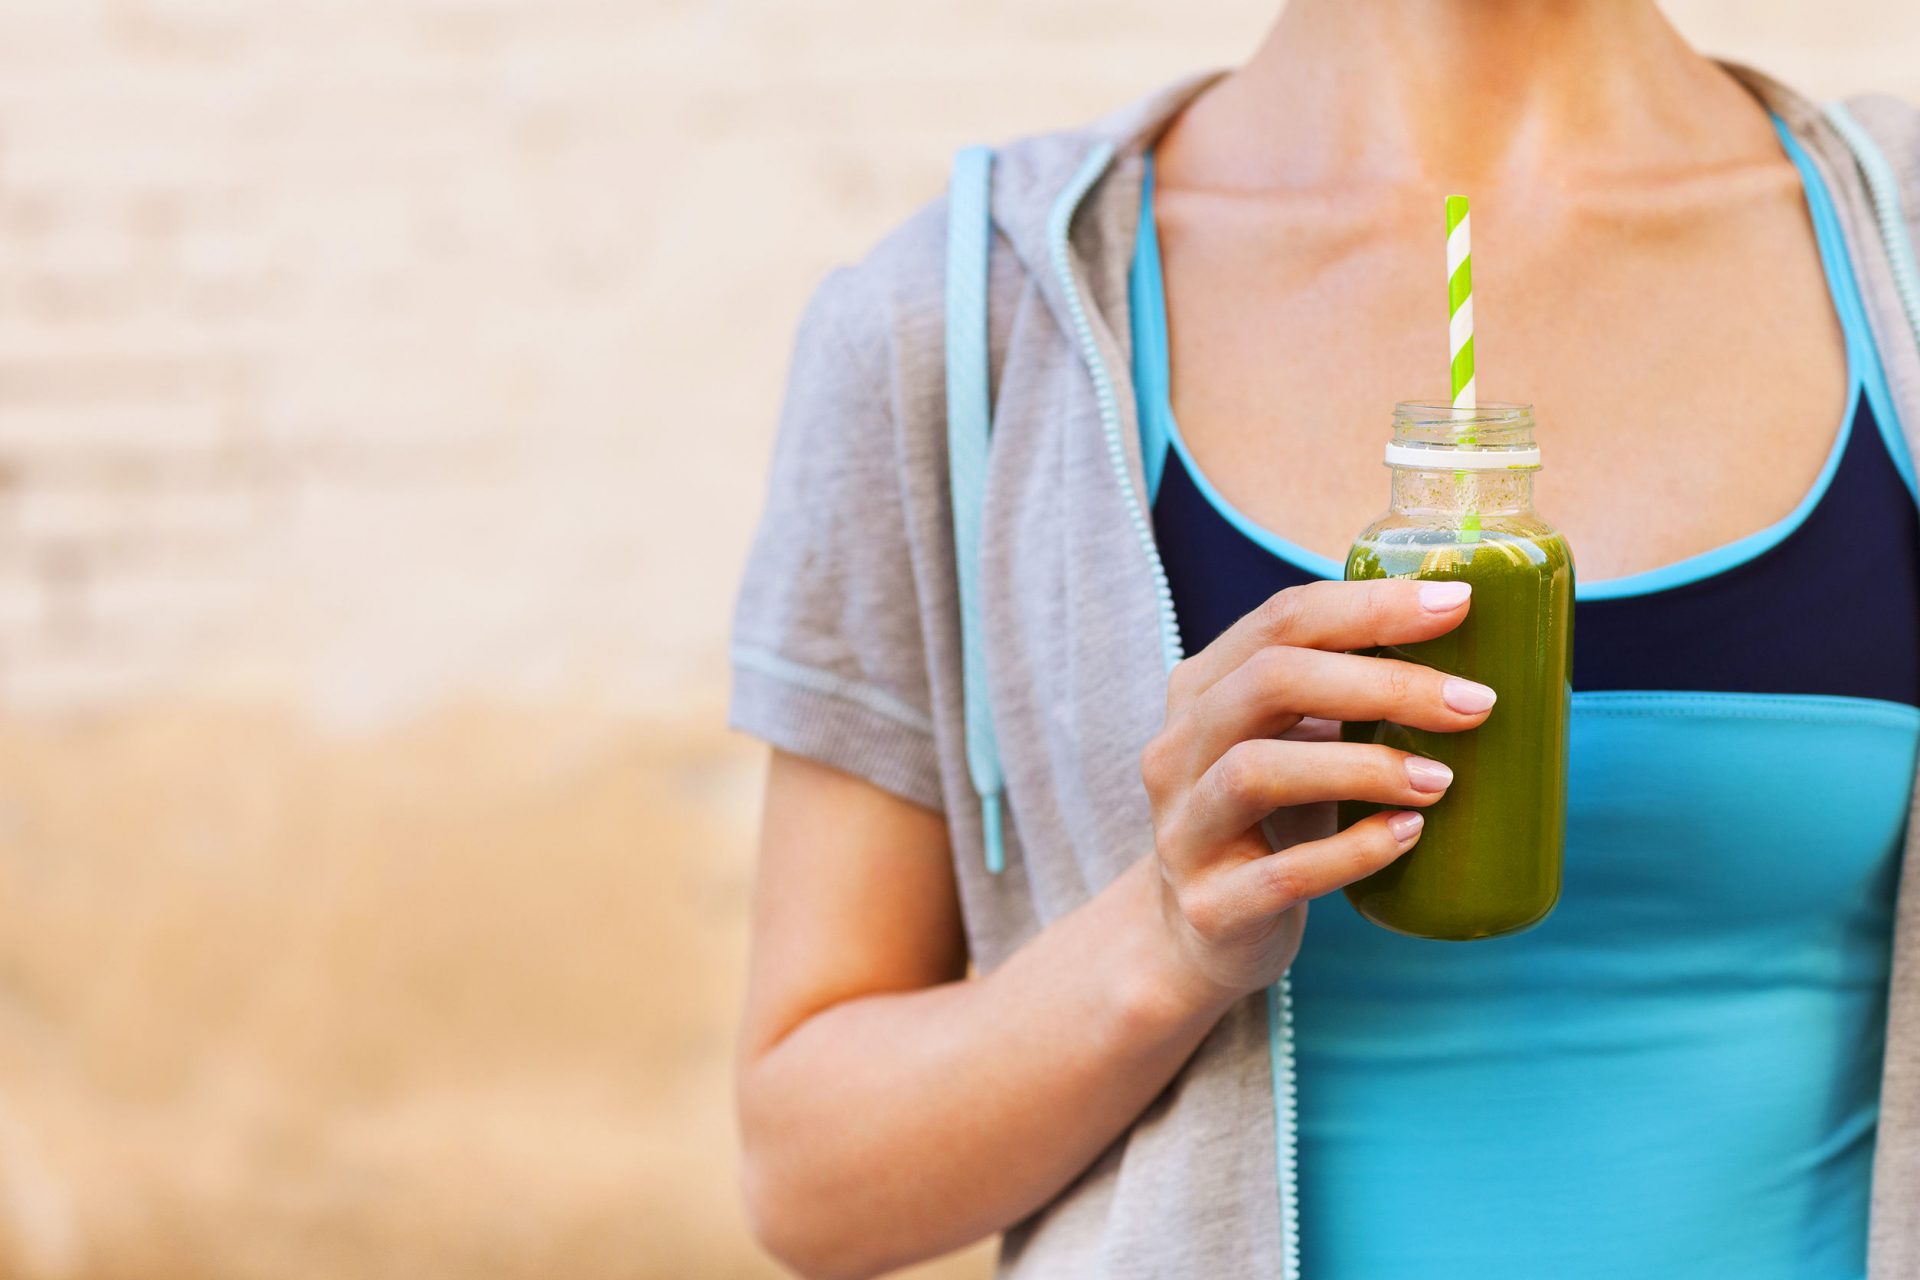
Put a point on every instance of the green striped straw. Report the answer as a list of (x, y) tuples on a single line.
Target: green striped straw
[(1460, 329)]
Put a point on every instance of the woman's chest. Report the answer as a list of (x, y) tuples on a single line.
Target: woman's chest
[(1689, 373)]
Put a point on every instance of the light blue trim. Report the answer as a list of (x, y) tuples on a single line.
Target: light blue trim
[(1159, 429), (1861, 358), (1865, 376), (878, 701), (1845, 285), (969, 422), (1286, 1122), (1733, 554), (1885, 190), (1312, 561), (1808, 708), (1152, 360)]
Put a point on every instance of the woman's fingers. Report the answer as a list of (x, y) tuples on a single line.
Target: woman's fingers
[(1263, 774), (1273, 689), (1247, 736), (1326, 615), (1313, 729), (1236, 901)]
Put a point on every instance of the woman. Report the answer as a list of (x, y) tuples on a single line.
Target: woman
[(1693, 1068)]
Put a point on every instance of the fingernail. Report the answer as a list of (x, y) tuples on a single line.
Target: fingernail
[(1439, 597), (1405, 826), (1428, 775), (1465, 696)]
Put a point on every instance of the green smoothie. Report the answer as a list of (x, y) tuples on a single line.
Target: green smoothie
[(1488, 860)]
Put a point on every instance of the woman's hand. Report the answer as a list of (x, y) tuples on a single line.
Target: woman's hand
[(1251, 736)]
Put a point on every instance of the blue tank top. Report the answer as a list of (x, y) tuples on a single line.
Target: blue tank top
[(1676, 1075)]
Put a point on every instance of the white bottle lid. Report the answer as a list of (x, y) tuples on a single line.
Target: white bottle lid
[(1429, 457)]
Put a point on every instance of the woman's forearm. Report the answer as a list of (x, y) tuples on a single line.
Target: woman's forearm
[(894, 1127)]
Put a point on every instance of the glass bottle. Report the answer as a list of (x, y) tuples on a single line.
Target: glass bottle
[(1488, 861)]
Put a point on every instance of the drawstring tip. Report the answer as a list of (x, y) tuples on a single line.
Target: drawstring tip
[(990, 830)]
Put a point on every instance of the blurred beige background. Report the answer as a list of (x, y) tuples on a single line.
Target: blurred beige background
[(385, 389)]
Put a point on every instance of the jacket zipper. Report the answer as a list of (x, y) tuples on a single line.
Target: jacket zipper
[(1885, 191), (1280, 995)]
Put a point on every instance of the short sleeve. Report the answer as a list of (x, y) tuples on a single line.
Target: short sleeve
[(829, 656)]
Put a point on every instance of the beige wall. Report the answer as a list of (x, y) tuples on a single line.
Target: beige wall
[(384, 394)]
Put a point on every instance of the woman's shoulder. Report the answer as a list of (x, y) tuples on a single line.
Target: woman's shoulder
[(884, 314), (905, 268), (886, 310)]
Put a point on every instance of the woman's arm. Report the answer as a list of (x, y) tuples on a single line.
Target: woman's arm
[(891, 1109)]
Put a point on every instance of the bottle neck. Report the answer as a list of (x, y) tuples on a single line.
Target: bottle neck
[(1417, 491)]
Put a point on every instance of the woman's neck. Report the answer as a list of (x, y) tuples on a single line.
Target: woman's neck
[(1467, 93)]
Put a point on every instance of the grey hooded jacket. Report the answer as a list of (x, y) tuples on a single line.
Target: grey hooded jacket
[(848, 649)]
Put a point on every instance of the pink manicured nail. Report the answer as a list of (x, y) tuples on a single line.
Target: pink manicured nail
[(1405, 826), (1440, 597), (1465, 696), (1428, 775)]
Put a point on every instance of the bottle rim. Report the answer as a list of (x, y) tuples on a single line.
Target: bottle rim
[(1496, 415), (1435, 435)]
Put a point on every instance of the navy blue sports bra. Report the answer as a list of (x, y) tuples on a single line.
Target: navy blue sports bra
[(1677, 1073), (1831, 607)]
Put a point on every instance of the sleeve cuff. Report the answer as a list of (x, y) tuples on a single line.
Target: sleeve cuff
[(845, 725)]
